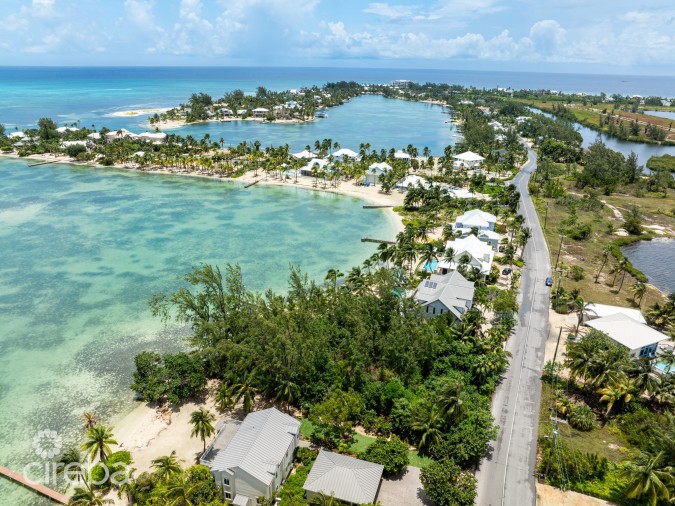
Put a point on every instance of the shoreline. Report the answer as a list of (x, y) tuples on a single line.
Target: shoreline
[(369, 194), (174, 124)]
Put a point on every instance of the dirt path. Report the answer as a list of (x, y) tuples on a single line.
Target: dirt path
[(551, 496)]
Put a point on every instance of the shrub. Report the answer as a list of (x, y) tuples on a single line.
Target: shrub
[(305, 455), (325, 436), (582, 418), (577, 273), (447, 485), (564, 465), (391, 453)]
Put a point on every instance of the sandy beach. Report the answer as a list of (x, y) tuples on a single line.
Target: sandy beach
[(135, 112), (173, 124), (370, 194)]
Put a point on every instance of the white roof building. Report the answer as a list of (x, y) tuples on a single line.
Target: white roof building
[(156, 137), (445, 293), (345, 152), (304, 154), (475, 218), (480, 254), (379, 168), (601, 310), (640, 339), (119, 134), (412, 181), (401, 155), (468, 159), (94, 135), (65, 129), (349, 480), (17, 135), (67, 144)]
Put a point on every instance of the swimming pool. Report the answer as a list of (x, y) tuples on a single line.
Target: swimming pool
[(431, 265), (663, 368)]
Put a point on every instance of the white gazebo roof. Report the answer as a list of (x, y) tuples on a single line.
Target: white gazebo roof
[(304, 154), (469, 156), (625, 330)]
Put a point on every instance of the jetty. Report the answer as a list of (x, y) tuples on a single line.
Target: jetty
[(37, 487), (40, 163), (375, 206), (379, 241), (251, 184)]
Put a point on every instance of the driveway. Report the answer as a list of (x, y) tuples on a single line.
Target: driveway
[(403, 490)]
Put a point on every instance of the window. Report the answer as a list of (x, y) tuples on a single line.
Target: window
[(226, 481), (228, 495), (434, 310)]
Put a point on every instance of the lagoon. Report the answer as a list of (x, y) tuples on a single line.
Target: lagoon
[(84, 248), (655, 259)]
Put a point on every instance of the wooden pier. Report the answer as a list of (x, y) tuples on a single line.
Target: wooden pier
[(375, 206), (37, 487), (39, 163), (379, 241), (251, 184)]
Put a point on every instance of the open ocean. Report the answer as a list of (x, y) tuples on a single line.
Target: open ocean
[(82, 249)]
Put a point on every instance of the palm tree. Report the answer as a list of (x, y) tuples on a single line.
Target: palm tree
[(667, 357), (644, 379), (324, 500), (244, 392), (166, 467), (178, 491), (428, 429), (647, 478), (89, 420), (581, 307), (580, 359), (72, 462), (450, 402), (605, 255), (333, 275), (85, 497), (639, 289), (524, 235), (287, 391), (615, 391), (99, 439), (202, 426)]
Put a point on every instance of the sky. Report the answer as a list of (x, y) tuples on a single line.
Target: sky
[(599, 36)]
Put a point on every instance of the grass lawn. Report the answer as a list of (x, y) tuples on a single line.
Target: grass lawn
[(605, 441), (361, 442)]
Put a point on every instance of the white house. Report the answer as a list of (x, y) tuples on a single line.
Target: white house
[(241, 112), (402, 155), (17, 135), (640, 339), (374, 172), (445, 293), (156, 137), (349, 480), (468, 160), (345, 153), (119, 134), (306, 154), (480, 255), (490, 237), (319, 163), (594, 311), (412, 181), (94, 136), (64, 130), (260, 112), (257, 459), (475, 218)]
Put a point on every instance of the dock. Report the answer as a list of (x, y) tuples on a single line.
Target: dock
[(37, 487), (379, 241), (375, 206), (251, 184), (39, 163)]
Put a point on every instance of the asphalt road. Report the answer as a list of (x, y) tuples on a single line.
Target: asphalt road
[(507, 475)]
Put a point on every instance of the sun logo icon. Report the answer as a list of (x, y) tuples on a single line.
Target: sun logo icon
[(47, 444)]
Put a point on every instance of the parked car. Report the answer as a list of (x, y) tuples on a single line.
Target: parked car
[(507, 271), (549, 281)]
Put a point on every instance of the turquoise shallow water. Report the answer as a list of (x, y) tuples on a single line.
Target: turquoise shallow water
[(82, 250)]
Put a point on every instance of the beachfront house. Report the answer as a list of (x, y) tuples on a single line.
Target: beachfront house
[(445, 294), (343, 153), (412, 181), (257, 459), (593, 311), (640, 339), (260, 112), (306, 154), (402, 155), (468, 160), (349, 480), (475, 218), (155, 138), (64, 130), (374, 172), (122, 133), (478, 253), (314, 165), (17, 135)]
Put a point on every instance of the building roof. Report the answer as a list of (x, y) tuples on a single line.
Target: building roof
[(240, 500), (402, 155), (304, 154), (260, 444), (476, 215), (452, 290), (412, 180), (346, 152), (602, 310), (346, 478), (478, 250), (379, 167), (469, 156), (625, 330)]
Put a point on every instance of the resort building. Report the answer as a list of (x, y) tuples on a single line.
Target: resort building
[(480, 255), (468, 160), (640, 339), (402, 83), (155, 138), (402, 155), (64, 130), (374, 172), (475, 219), (445, 293), (343, 153), (306, 154), (257, 459), (119, 134), (17, 135), (314, 164), (349, 480), (95, 136)]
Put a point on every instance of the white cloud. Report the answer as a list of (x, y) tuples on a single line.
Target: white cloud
[(388, 11)]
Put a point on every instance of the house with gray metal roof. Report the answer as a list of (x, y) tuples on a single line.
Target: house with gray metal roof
[(257, 459), (350, 480), (445, 293)]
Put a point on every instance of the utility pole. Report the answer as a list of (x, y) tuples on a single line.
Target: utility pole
[(555, 421), (546, 216), (562, 237)]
